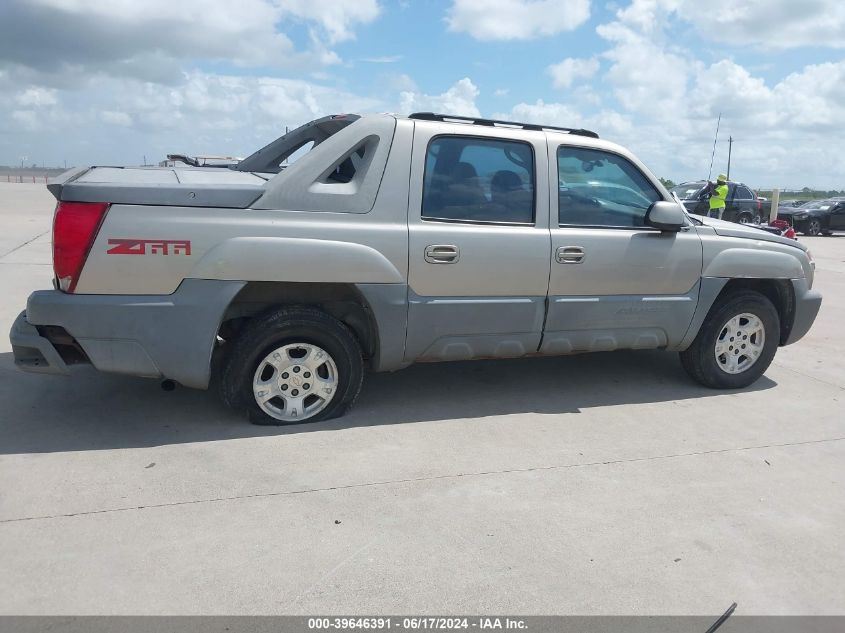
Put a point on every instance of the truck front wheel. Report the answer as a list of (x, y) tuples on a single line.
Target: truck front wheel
[(736, 342), (293, 365)]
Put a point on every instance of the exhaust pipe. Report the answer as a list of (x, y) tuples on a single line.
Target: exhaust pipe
[(168, 385)]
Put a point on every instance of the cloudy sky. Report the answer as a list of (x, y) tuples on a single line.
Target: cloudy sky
[(91, 82)]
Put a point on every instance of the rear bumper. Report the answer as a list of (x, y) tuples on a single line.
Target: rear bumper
[(807, 305), (169, 336), (33, 352)]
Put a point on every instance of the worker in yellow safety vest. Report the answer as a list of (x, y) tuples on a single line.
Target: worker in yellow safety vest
[(718, 194)]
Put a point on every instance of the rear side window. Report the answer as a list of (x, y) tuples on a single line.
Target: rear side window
[(478, 180), (348, 167), (597, 188), (743, 193)]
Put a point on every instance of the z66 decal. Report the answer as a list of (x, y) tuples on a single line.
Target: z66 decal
[(126, 246)]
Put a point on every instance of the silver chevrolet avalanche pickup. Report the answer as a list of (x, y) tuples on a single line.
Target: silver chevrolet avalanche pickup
[(391, 240)]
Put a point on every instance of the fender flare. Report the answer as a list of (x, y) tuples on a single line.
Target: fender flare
[(749, 263)]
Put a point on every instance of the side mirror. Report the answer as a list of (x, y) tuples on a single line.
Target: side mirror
[(666, 216)]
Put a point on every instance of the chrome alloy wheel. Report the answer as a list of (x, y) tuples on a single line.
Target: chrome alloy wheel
[(740, 343), (295, 382)]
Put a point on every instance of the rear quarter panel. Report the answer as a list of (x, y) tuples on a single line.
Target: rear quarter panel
[(256, 244)]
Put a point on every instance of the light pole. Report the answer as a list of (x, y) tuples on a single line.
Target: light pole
[(730, 146)]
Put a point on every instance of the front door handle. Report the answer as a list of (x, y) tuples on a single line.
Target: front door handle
[(442, 254), (570, 255)]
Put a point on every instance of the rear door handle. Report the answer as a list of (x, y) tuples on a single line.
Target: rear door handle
[(442, 254), (570, 255)]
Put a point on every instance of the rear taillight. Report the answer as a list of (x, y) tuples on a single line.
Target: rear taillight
[(759, 204), (75, 227)]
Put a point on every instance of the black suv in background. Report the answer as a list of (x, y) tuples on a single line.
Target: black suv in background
[(741, 205)]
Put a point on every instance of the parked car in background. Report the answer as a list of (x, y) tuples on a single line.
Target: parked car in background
[(179, 160), (741, 205), (791, 203), (779, 227), (818, 217)]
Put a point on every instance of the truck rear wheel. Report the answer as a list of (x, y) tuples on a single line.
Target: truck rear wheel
[(736, 342), (291, 366)]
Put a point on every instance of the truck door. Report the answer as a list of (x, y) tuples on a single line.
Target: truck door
[(478, 242), (615, 283)]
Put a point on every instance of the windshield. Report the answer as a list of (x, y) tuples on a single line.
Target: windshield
[(686, 192)]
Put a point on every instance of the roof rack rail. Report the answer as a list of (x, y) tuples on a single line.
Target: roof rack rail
[(433, 116)]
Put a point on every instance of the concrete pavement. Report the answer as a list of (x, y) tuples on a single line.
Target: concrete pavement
[(604, 484)]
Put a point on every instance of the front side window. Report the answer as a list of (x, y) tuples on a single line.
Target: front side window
[(478, 180), (598, 188)]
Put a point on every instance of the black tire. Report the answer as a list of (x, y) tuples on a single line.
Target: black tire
[(266, 333), (745, 218), (699, 360), (814, 227)]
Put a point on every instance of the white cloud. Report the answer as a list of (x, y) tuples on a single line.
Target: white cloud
[(516, 19), (769, 24), (67, 41), (398, 83), (382, 59), (501, 92), (611, 124), (458, 99), (28, 119), (336, 19), (38, 97), (117, 118), (774, 24), (646, 74), (667, 100), (565, 72)]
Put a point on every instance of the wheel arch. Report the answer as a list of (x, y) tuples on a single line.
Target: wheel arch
[(780, 292), (343, 301)]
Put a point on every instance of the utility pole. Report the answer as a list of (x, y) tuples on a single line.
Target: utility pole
[(730, 145)]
